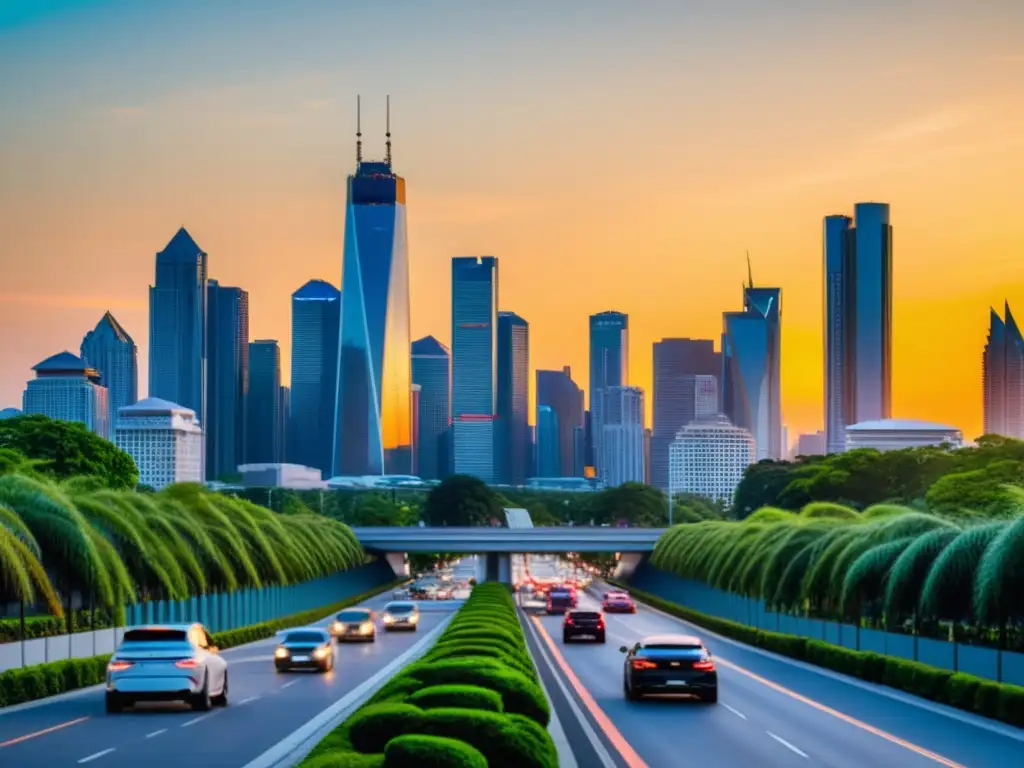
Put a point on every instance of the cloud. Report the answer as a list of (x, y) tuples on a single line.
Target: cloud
[(71, 302), (943, 120)]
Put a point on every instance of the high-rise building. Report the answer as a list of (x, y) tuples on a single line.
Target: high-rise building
[(263, 425), (811, 444), (609, 367), (316, 318), (1003, 377), (227, 378), (681, 371), (177, 325), (622, 439), (284, 412), (579, 451), (557, 390), (164, 439), (373, 433), (68, 389), (512, 441), (474, 364), (432, 373), (647, 456), (708, 459), (857, 256), (415, 402), (110, 350), (548, 450), (751, 368)]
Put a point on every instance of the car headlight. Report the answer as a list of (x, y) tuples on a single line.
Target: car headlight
[(321, 653), (281, 653), (389, 619), (414, 618), (366, 627), (338, 627)]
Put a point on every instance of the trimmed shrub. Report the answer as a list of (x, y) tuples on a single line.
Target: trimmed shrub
[(462, 696), (458, 650), (344, 760), (431, 752), (370, 729), (500, 740)]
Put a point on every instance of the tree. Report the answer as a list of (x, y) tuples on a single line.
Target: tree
[(461, 500), (635, 504), (67, 449)]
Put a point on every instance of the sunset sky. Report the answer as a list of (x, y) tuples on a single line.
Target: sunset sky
[(611, 155)]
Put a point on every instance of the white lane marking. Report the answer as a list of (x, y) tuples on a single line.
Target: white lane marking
[(786, 744), (156, 733), (246, 701), (566, 758), (96, 756), (735, 712), (195, 720), (293, 682)]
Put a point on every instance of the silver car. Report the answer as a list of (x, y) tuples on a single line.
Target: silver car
[(400, 615), (176, 662)]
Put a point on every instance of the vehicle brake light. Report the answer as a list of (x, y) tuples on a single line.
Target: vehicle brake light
[(568, 621), (186, 664), (600, 623), (118, 666), (644, 664), (706, 665)]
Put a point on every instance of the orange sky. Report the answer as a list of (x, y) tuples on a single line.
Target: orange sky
[(626, 169)]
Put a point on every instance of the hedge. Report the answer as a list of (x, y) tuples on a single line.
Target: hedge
[(37, 627), (55, 677), (475, 688), (999, 701)]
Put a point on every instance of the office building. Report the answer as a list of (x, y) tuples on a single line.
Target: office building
[(67, 389), (432, 373), (373, 433), (227, 378), (1003, 377), (291, 476), (647, 455), (682, 372), (622, 439), (751, 368), (512, 446), (896, 434), (708, 459), (316, 319), (283, 418), (415, 404), (858, 319), (110, 350), (177, 325), (609, 367), (165, 440), (557, 390), (812, 444), (548, 449), (263, 425), (9, 413), (474, 364)]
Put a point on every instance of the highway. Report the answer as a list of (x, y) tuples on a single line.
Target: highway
[(263, 709), (772, 713)]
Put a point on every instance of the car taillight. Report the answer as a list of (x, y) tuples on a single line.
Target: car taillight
[(568, 622), (118, 666), (644, 664), (707, 665), (186, 664), (600, 623)]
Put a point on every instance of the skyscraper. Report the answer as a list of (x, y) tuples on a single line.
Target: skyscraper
[(432, 371), (512, 462), (622, 439), (227, 378), (548, 450), (263, 427), (751, 365), (316, 318), (557, 390), (373, 431), (66, 388), (609, 367), (177, 325), (284, 412), (1003, 376), (681, 368), (857, 256), (110, 350), (474, 364)]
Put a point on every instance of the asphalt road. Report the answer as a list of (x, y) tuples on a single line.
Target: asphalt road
[(771, 713), (264, 708)]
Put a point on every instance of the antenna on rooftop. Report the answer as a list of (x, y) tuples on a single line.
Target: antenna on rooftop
[(388, 131), (359, 133)]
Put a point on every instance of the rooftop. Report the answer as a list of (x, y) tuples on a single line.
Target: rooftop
[(428, 346), (154, 405), (900, 425), (317, 290), (182, 246), (62, 362)]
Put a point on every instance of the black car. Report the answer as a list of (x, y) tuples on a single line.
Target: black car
[(579, 624), (305, 649), (670, 664)]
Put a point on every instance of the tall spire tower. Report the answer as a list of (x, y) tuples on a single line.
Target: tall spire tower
[(387, 134), (359, 133)]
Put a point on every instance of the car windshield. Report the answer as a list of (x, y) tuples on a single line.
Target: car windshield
[(401, 608), (354, 616), (155, 636), (305, 637)]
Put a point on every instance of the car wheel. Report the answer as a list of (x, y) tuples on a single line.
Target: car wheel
[(202, 701), (221, 699), (114, 704), (711, 697)]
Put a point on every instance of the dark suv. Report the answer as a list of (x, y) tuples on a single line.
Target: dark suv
[(583, 624)]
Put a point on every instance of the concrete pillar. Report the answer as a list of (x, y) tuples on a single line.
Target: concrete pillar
[(498, 567), (397, 562), (628, 563)]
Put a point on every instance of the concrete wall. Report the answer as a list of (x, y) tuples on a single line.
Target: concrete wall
[(989, 663), (219, 612)]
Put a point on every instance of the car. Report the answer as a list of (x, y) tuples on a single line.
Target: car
[(401, 615), (173, 662), (306, 648), (355, 624), (670, 664), (618, 602), (583, 624), (560, 601)]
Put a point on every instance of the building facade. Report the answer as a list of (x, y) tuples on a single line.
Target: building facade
[(557, 390), (165, 440), (895, 434), (1003, 377), (812, 444), (474, 364), (263, 426), (68, 389), (432, 373), (110, 350), (609, 367), (513, 398), (548, 450), (708, 459), (227, 378), (316, 319), (622, 439)]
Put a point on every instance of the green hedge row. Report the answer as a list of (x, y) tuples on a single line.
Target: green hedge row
[(998, 701), (49, 679), (472, 701), (51, 626)]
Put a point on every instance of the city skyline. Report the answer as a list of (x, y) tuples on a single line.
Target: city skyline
[(927, 121)]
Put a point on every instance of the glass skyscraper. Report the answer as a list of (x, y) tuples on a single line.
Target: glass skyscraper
[(1003, 377), (110, 350), (263, 427), (609, 367), (548, 450), (316, 319), (858, 319), (474, 364), (513, 447), (431, 370), (558, 391), (227, 378), (373, 430)]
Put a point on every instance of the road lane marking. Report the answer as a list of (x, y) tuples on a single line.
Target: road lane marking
[(37, 734), (288, 684), (631, 758), (95, 756), (735, 712), (786, 744), (246, 701), (195, 720), (156, 733)]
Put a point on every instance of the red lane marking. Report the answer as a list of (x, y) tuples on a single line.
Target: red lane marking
[(37, 734)]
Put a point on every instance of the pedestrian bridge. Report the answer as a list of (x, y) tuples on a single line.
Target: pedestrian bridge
[(472, 541)]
